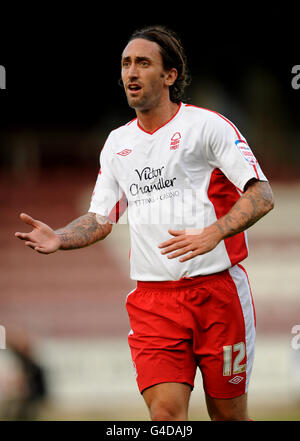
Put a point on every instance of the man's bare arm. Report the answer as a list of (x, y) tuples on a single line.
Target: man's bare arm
[(257, 201), (84, 231), (80, 233)]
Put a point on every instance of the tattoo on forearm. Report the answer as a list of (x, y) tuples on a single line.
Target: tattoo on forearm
[(253, 204), (84, 231)]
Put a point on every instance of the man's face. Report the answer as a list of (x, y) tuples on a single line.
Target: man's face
[(143, 75)]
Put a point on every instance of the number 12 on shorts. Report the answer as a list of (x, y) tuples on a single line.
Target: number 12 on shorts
[(230, 368)]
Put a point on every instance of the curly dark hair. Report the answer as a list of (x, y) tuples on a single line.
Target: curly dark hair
[(172, 53)]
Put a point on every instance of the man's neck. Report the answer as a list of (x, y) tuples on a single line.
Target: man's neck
[(152, 119)]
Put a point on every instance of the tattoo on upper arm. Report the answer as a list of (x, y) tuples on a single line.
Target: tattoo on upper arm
[(84, 231)]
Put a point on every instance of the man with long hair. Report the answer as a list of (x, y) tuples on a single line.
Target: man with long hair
[(192, 186)]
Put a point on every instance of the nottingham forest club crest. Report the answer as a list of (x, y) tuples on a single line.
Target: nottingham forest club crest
[(175, 140)]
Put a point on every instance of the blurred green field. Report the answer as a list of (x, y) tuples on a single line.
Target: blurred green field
[(139, 413)]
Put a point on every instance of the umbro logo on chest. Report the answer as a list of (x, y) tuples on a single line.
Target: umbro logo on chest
[(124, 152)]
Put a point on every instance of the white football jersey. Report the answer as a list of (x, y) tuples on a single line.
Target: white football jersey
[(185, 175)]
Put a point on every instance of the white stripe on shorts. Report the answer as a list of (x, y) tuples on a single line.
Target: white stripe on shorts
[(240, 280), (131, 292)]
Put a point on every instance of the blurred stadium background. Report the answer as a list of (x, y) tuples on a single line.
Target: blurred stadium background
[(64, 314)]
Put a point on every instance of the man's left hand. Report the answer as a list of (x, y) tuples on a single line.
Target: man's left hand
[(192, 242)]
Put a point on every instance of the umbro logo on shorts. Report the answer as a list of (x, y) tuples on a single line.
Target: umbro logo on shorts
[(124, 152), (236, 380)]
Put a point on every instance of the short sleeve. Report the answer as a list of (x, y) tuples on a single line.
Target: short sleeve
[(107, 199), (229, 151)]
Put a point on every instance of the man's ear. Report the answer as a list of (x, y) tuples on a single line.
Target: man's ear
[(171, 76)]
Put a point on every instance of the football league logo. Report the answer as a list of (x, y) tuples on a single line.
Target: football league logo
[(246, 151), (175, 140)]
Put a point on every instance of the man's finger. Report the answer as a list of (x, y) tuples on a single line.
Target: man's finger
[(177, 232), (179, 252), (170, 242), (190, 256), (31, 244), (22, 236), (175, 246), (40, 250), (28, 220)]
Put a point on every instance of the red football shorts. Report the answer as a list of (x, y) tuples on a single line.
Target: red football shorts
[(205, 321)]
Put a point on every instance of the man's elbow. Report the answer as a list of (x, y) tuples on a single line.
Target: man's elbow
[(105, 230), (108, 229), (102, 224), (269, 201), (262, 192)]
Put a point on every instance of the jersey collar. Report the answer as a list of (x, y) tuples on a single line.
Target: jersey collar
[(163, 125)]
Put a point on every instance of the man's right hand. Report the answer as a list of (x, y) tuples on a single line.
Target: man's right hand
[(42, 238)]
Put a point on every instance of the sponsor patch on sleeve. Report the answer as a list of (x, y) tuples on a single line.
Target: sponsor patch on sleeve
[(246, 151)]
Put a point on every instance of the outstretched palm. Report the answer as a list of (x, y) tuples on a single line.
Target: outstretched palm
[(42, 238)]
